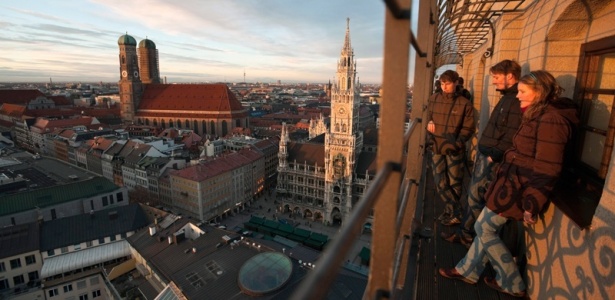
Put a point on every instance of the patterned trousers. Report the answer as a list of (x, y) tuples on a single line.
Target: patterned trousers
[(482, 175), (448, 177), (488, 247)]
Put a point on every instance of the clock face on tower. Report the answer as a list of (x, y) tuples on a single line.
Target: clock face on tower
[(124, 73), (135, 74), (341, 111)]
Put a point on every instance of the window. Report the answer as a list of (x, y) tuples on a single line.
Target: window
[(17, 280), (88, 244), (4, 284), (64, 250), (81, 285), (582, 181), (111, 199), (96, 294), (94, 281), (105, 201), (120, 197), (15, 263), (68, 288), (101, 240), (83, 297), (2, 267), (112, 237), (51, 252), (30, 259), (32, 276), (52, 292)]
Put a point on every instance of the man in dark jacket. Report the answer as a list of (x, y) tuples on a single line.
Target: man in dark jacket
[(450, 124), (494, 140)]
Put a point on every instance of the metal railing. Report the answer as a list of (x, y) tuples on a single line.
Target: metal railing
[(393, 193), (335, 253)]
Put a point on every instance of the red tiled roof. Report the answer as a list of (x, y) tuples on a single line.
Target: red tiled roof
[(43, 123), (193, 97), (102, 143), (19, 96), (13, 110), (203, 171), (67, 134), (302, 125), (212, 168)]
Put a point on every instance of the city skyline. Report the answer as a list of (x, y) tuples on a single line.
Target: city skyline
[(216, 42)]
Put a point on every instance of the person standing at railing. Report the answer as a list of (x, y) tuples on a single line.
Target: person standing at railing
[(495, 138), (523, 182), (450, 125)]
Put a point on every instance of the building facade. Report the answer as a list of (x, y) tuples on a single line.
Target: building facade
[(323, 178)]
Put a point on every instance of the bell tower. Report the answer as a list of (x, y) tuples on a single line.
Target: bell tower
[(343, 140), (130, 84)]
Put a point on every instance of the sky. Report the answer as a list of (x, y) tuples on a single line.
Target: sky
[(197, 41)]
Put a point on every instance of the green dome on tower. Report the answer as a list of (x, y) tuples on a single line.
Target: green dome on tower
[(127, 40), (146, 43)]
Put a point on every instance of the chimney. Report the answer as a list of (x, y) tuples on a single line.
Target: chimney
[(170, 240), (152, 230)]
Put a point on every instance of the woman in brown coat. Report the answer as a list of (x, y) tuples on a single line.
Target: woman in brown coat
[(522, 183)]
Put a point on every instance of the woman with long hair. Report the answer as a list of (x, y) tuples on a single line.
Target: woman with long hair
[(523, 182)]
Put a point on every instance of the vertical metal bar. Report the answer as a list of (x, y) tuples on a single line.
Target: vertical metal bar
[(423, 77), (319, 280), (390, 148)]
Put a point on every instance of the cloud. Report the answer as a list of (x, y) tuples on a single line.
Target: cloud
[(272, 39)]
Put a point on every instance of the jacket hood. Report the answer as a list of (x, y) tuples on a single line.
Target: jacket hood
[(567, 108)]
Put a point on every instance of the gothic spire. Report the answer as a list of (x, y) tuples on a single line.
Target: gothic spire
[(347, 49)]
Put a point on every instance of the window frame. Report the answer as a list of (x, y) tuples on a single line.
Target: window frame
[(579, 190), (21, 278), (53, 292), (32, 257), (17, 264)]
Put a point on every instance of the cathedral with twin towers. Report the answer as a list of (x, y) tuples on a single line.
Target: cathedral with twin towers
[(210, 110)]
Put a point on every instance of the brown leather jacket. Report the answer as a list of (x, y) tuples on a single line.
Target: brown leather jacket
[(525, 179)]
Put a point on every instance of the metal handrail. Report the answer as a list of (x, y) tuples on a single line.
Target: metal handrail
[(323, 275)]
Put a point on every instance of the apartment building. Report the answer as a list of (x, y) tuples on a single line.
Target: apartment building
[(20, 262), (78, 251)]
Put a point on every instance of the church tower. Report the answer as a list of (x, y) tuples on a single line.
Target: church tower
[(130, 84), (343, 139), (148, 62)]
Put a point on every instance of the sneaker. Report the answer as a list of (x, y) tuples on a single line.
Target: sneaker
[(456, 238), (451, 221), (492, 283), (453, 274)]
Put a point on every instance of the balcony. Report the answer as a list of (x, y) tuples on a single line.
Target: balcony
[(406, 248)]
